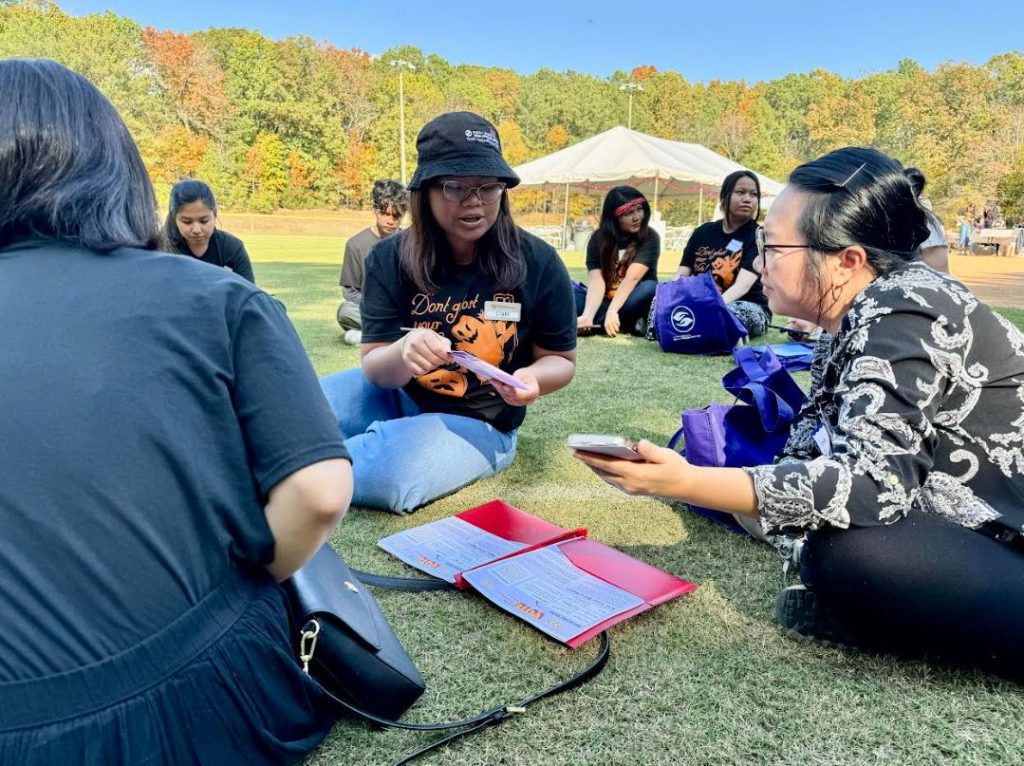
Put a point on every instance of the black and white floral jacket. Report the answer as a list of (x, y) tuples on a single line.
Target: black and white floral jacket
[(917, 403)]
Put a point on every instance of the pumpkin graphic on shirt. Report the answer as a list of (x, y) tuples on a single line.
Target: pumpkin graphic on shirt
[(444, 381), (484, 339)]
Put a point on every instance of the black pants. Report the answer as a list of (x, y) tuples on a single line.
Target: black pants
[(923, 586), (634, 307)]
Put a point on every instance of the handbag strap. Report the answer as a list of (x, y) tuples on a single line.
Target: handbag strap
[(488, 717), (412, 584), (467, 725)]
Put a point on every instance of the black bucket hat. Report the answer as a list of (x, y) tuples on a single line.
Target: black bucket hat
[(460, 144)]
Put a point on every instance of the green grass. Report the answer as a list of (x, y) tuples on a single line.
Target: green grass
[(706, 679)]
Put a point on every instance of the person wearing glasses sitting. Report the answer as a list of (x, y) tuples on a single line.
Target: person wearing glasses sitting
[(726, 248), (622, 267), (462, 277), (905, 465)]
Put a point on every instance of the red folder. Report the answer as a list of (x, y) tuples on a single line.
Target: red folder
[(651, 585), (501, 519), (655, 586)]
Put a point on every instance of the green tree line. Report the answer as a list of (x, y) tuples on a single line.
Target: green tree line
[(299, 123)]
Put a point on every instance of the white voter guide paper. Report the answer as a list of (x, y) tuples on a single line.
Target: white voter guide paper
[(446, 547), (551, 593), (486, 369)]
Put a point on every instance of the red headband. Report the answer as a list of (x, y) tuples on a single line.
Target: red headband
[(625, 207)]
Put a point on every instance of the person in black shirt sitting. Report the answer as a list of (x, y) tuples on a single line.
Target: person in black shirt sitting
[(727, 249), (191, 229), (167, 454), (622, 264), (419, 424)]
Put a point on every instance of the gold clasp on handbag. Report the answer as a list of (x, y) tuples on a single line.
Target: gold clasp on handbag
[(307, 644)]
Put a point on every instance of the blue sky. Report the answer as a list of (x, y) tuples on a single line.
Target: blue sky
[(716, 39)]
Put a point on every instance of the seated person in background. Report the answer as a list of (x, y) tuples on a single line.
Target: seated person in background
[(418, 424), (191, 229), (935, 249), (726, 248), (622, 266), (390, 201), (167, 455), (905, 463)]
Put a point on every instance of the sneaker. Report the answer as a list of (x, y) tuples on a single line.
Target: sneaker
[(353, 337), (799, 611), (640, 327)]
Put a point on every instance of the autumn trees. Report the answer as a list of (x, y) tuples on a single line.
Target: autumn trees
[(300, 123)]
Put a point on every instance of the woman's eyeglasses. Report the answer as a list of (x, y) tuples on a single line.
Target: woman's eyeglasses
[(763, 248), (456, 191)]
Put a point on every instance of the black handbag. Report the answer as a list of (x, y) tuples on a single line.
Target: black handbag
[(346, 642), (347, 645)]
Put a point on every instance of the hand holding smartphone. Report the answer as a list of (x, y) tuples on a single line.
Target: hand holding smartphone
[(604, 444)]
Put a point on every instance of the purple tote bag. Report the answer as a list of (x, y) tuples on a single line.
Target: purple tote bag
[(750, 432), (691, 318)]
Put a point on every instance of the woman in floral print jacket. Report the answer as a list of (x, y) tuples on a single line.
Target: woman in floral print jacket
[(907, 462)]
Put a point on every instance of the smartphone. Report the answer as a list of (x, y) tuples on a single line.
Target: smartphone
[(604, 444)]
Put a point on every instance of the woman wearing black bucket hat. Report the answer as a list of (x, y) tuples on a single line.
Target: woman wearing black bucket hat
[(466, 278)]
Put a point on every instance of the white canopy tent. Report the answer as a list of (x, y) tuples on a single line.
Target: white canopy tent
[(656, 166)]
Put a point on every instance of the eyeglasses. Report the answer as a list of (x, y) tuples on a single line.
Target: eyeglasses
[(456, 191), (763, 248)]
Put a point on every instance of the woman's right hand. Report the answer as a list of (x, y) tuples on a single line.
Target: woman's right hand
[(662, 472), (424, 351)]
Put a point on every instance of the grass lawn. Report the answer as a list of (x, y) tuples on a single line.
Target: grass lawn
[(706, 679)]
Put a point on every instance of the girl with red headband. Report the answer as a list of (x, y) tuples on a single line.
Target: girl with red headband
[(622, 264)]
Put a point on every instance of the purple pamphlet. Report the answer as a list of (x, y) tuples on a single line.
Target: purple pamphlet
[(486, 370)]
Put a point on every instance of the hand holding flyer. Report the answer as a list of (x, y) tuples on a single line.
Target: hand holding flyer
[(486, 370)]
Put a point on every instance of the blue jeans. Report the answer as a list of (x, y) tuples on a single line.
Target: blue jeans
[(403, 458)]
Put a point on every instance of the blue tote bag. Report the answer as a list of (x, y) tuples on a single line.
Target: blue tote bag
[(690, 317), (751, 432)]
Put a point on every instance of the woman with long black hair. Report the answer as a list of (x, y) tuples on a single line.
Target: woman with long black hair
[(622, 266), (463, 277)]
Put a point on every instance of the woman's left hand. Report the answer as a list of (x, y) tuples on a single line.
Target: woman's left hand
[(611, 323), (517, 397), (663, 472)]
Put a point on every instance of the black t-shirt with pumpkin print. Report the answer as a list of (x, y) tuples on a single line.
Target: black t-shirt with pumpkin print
[(391, 300), (711, 249)]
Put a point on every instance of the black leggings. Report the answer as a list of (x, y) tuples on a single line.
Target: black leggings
[(923, 586)]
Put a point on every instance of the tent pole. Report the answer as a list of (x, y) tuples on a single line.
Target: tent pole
[(565, 220), (654, 207), (700, 206)]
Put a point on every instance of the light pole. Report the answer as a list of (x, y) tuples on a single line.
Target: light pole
[(630, 87), (402, 65)]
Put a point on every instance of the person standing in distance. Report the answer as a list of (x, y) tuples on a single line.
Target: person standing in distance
[(390, 201)]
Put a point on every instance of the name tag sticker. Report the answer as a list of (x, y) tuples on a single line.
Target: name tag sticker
[(823, 440), (734, 246), (500, 311)]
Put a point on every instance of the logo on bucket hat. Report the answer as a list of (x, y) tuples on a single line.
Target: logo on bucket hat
[(460, 144)]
